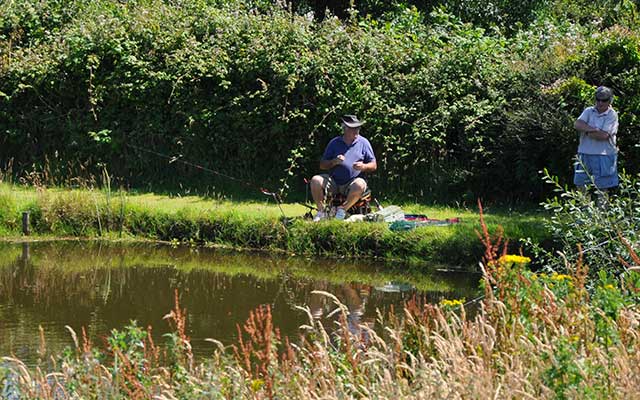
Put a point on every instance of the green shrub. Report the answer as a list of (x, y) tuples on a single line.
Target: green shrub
[(595, 234), (253, 91)]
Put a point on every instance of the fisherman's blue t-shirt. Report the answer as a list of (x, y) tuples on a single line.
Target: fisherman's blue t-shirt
[(359, 150)]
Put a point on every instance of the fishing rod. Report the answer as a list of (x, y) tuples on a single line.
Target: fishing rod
[(172, 159)]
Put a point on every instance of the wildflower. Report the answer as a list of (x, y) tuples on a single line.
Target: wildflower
[(609, 286), (451, 303), (511, 258), (257, 384), (560, 277)]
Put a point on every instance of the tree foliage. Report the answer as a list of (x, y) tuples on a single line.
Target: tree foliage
[(252, 89)]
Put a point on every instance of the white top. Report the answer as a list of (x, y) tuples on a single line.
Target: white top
[(606, 121)]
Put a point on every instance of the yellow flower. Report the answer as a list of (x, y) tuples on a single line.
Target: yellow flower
[(452, 303), (511, 258), (560, 277), (609, 286), (257, 384)]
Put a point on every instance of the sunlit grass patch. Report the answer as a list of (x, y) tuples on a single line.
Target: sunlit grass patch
[(251, 224)]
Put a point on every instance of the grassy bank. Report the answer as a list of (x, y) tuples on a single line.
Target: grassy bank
[(257, 225)]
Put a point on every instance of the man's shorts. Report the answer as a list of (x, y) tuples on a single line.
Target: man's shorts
[(601, 170), (330, 186)]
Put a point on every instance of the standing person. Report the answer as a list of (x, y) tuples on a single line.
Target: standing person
[(347, 158), (597, 152)]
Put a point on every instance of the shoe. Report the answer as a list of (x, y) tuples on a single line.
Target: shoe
[(320, 215), (340, 213)]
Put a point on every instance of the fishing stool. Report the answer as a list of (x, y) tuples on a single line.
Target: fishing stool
[(362, 206)]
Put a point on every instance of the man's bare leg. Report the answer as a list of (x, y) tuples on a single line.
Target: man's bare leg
[(317, 191), (356, 190)]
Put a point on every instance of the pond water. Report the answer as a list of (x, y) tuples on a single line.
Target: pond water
[(100, 286)]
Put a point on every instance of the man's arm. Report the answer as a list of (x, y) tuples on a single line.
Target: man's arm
[(592, 132), (366, 167), (328, 164)]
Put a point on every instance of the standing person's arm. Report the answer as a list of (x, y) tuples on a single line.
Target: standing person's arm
[(591, 131), (613, 129)]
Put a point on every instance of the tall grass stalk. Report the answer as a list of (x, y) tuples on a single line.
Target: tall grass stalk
[(98, 215)]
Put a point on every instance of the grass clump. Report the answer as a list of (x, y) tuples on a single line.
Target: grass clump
[(602, 232), (8, 212)]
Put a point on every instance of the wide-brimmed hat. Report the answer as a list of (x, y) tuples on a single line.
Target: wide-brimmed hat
[(604, 93), (351, 121)]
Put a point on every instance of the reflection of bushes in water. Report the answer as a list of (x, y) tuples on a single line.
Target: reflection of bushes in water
[(88, 257), (51, 286)]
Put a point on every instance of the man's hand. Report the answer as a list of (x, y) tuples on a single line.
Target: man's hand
[(328, 164), (365, 167)]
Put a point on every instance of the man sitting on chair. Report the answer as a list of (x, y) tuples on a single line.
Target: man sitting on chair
[(347, 158)]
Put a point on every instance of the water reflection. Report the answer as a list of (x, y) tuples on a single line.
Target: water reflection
[(101, 286), (354, 296)]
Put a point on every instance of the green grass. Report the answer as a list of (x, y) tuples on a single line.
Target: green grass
[(89, 213)]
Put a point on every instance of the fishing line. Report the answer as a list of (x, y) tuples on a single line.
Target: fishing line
[(173, 159)]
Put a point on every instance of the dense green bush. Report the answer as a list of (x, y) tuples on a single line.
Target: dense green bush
[(594, 232), (254, 91), (502, 13)]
